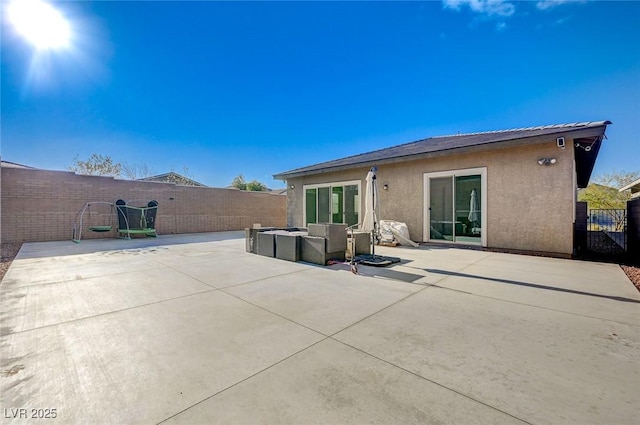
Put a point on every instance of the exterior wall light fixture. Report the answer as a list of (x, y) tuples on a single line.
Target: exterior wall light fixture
[(385, 186), (547, 161), (293, 186)]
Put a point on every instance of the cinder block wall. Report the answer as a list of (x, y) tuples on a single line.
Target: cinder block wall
[(41, 205)]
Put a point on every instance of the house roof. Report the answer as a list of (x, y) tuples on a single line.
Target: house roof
[(585, 134), (278, 191), (173, 177), (271, 191), (7, 164)]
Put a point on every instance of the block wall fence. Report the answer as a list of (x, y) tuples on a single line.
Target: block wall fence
[(41, 205)]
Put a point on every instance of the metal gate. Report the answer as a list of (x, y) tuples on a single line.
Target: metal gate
[(607, 232)]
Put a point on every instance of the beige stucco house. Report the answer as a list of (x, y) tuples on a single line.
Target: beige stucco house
[(510, 189)]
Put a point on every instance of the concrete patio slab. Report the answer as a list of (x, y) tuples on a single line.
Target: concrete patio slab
[(72, 267), (143, 365), (29, 308), (192, 254), (574, 269), (191, 329), (242, 268), (324, 302), (180, 254), (63, 248), (331, 383), (617, 298), (543, 366), (425, 265)]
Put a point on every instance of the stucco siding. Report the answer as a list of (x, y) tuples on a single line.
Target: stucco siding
[(529, 206)]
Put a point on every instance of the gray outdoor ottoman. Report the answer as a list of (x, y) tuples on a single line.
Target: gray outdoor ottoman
[(266, 244), (288, 245), (313, 250), (335, 234)]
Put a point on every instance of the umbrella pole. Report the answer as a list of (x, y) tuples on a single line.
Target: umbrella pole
[(373, 243), (372, 222), (374, 184)]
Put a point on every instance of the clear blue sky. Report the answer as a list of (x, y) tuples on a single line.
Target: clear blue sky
[(258, 88)]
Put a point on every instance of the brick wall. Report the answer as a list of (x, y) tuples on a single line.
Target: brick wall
[(40, 205)]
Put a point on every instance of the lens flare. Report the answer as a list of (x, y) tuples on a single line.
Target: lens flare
[(40, 24)]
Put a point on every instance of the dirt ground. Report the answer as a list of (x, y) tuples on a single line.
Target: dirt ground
[(10, 250)]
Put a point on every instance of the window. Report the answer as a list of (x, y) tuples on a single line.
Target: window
[(332, 203)]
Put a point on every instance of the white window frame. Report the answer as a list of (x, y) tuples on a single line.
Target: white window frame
[(482, 171)]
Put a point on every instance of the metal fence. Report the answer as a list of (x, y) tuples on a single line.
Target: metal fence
[(633, 230), (607, 231)]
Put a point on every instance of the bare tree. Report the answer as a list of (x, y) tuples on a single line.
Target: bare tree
[(137, 171), (96, 165), (617, 179), (603, 194)]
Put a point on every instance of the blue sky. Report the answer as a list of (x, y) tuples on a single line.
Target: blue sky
[(228, 88)]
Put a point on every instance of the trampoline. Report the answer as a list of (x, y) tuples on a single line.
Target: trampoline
[(133, 220)]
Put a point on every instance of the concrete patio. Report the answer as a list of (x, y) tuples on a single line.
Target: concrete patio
[(190, 329)]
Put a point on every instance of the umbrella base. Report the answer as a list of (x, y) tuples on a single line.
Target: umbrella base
[(376, 260)]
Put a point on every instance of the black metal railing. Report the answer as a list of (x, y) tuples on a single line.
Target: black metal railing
[(607, 231)]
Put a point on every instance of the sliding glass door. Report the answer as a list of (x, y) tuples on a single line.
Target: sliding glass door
[(332, 203), (441, 207), (455, 206)]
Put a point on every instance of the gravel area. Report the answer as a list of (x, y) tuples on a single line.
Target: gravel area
[(633, 273), (8, 252)]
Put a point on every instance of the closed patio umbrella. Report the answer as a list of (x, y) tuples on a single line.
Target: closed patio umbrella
[(474, 208), (369, 222)]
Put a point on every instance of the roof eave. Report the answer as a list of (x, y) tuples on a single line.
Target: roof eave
[(567, 132), (632, 185)]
